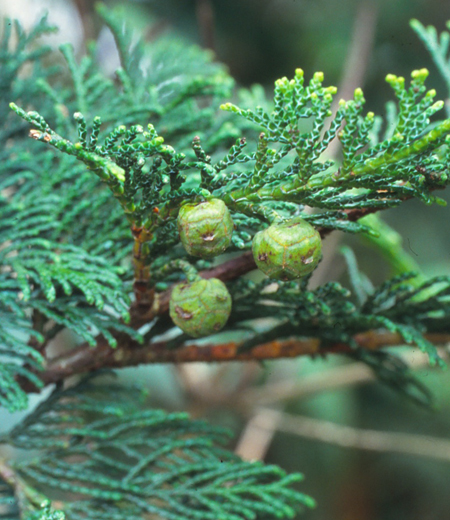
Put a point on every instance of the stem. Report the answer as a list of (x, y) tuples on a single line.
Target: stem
[(144, 294), (130, 353)]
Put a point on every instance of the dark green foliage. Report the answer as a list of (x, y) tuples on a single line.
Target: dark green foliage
[(143, 173), (331, 314), (48, 279), (150, 180), (373, 172), (111, 458), (52, 210), (65, 264)]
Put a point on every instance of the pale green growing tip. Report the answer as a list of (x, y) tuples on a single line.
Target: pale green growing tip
[(330, 90), (392, 79), (299, 73), (318, 76), (438, 105), (358, 93), (420, 74)]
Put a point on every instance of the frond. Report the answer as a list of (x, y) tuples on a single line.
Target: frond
[(18, 358), (109, 456)]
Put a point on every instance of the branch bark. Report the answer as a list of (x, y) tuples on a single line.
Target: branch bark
[(130, 353)]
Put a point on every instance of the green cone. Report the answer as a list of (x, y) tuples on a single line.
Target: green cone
[(205, 228), (287, 250), (200, 308)]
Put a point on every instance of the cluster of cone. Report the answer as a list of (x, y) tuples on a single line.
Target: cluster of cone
[(283, 251)]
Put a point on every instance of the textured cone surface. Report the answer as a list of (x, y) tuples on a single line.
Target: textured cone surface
[(200, 308), (206, 228), (288, 250)]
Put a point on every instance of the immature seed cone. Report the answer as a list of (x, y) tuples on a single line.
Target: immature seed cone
[(287, 250), (200, 308), (205, 228)]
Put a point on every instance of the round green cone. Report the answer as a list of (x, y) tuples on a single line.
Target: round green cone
[(287, 250), (200, 308), (205, 228)]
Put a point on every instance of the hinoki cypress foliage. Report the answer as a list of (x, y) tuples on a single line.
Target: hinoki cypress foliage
[(137, 206)]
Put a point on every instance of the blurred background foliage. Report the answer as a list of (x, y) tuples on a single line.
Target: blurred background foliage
[(354, 474)]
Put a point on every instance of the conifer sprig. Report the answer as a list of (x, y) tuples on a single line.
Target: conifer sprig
[(144, 173), (66, 252), (110, 457)]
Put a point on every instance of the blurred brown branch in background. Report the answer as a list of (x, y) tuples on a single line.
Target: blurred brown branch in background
[(267, 420), (264, 423), (205, 19)]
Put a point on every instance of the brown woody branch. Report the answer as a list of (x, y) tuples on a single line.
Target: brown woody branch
[(130, 353)]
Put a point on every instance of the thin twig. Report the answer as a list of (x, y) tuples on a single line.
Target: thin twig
[(348, 437), (336, 377), (254, 440)]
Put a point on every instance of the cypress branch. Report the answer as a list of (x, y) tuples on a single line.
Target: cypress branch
[(90, 242)]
